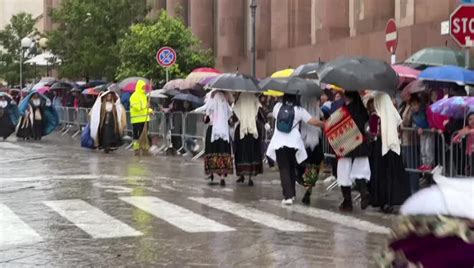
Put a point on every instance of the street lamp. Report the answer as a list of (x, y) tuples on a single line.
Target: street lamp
[(253, 10), (43, 43), (25, 44)]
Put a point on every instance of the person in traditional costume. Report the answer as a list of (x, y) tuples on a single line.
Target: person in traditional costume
[(308, 171), (355, 166), (248, 137), (140, 112), (389, 182), (9, 115), (108, 121), (286, 145), (38, 119), (217, 155), (436, 228)]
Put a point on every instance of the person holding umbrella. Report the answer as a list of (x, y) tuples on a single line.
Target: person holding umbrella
[(140, 114), (8, 115), (248, 137)]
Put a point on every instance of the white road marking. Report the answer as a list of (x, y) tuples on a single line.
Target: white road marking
[(254, 215), (13, 231), (333, 217), (175, 215), (91, 219)]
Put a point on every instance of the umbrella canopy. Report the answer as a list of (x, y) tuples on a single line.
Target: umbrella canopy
[(405, 73), (309, 70), (174, 84), (62, 85), (6, 96), (437, 56), (415, 86), (197, 75), (452, 74), (44, 59), (359, 73), (279, 74), (129, 84), (235, 82), (42, 90), (189, 98), (291, 86), (170, 92), (454, 107), (157, 94), (91, 91)]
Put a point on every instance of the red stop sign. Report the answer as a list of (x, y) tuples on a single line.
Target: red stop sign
[(461, 24), (391, 36)]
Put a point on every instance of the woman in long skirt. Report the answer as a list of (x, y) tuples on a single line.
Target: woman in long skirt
[(107, 121), (31, 125), (217, 154), (389, 183), (8, 116), (308, 171), (248, 137)]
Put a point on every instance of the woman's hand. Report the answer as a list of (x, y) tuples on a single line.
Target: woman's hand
[(316, 122)]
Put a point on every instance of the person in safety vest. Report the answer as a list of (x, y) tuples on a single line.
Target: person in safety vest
[(140, 113)]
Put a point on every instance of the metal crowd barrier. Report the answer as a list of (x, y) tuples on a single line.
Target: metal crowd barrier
[(461, 159)]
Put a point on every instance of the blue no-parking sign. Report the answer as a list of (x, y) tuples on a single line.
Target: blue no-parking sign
[(166, 57)]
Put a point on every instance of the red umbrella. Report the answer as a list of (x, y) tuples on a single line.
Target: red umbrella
[(129, 84), (91, 91)]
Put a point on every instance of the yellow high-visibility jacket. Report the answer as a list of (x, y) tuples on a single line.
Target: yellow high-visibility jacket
[(139, 110)]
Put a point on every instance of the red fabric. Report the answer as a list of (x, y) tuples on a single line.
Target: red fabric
[(76, 103), (436, 120)]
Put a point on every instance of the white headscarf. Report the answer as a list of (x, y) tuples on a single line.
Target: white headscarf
[(309, 133), (219, 112), (389, 121), (246, 109)]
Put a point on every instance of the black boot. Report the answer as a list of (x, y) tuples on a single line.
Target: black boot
[(361, 185), (222, 182), (250, 181), (241, 179), (346, 205), (307, 197)]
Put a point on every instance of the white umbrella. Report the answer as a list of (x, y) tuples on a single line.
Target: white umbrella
[(43, 59)]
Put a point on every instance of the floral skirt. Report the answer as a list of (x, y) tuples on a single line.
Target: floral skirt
[(248, 155), (308, 171), (217, 156)]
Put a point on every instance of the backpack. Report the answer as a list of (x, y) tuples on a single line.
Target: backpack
[(286, 118)]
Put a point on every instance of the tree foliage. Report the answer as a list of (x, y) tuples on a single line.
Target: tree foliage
[(87, 34), (21, 25), (138, 49)]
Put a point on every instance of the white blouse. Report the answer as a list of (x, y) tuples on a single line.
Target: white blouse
[(292, 139)]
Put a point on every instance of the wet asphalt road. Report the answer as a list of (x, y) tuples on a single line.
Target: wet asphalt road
[(64, 206)]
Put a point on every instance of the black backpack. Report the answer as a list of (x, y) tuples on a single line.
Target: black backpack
[(286, 118)]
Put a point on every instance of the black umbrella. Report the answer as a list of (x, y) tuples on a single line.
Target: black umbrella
[(62, 85), (235, 82), (309, 70), (359, 73), (189, 98), (292, 86)]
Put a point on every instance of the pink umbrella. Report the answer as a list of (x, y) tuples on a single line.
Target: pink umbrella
[(197, 75), (415, 86), (405, 73), (42, 90), (129, 84)]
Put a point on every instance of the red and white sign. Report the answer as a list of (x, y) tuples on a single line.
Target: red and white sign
[(391, 36), (462, 25), (166, 57)]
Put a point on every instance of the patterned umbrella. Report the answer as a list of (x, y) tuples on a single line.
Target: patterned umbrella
[(128, 85), (197, 75), (174, 84), (454, 107)]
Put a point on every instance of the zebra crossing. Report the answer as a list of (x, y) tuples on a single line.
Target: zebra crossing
[(100, 225)]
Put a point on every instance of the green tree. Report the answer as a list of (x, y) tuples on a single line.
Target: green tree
[(87, 34), (139, 46), (21, 25)]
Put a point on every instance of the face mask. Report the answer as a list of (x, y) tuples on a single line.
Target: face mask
[(3, 104)]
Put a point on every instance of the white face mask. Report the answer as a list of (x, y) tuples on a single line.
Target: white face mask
[(108, 106), (3, 104), (36, 102)]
